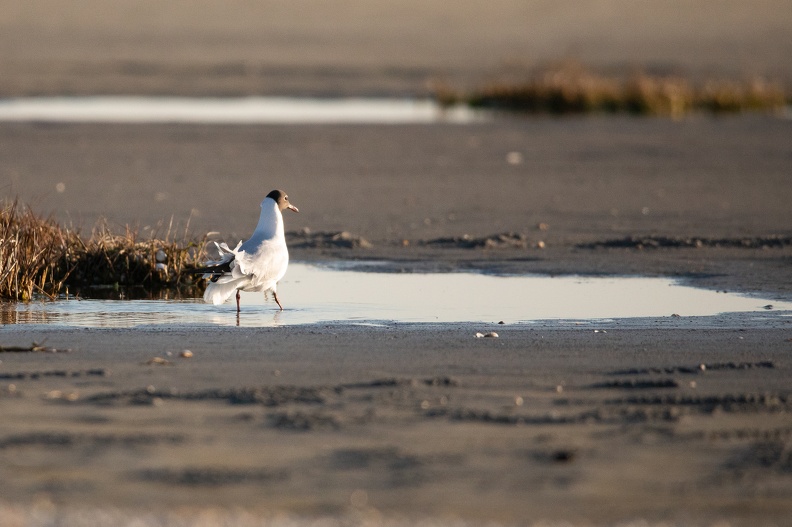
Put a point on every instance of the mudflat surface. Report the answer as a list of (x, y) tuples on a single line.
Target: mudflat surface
[(398, 423)]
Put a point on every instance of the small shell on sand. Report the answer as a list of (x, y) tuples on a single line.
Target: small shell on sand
[(157, 360)]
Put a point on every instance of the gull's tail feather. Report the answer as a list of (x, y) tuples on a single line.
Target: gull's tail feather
[(215, 269), (219, 291), (210, 269)]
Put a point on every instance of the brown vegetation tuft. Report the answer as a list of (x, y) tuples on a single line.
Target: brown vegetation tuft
[(39, 257), (571, 88)]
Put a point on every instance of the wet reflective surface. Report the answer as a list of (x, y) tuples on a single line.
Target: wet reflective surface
[(314, 294), (247, 110)]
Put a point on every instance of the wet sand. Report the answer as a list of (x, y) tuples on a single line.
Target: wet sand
[(678, 420), (689, 423)]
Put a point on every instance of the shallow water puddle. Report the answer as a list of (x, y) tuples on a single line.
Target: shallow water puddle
[(243, 110), (314, 294)]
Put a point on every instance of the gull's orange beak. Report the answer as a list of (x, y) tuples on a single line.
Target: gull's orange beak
[(292, 207)]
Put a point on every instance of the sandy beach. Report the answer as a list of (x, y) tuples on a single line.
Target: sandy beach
[(399, 424), (663, 421)]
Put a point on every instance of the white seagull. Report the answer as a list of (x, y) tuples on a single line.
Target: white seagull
[(255, 265)]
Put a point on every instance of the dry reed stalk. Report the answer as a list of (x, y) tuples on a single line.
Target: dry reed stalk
[(31, 252)]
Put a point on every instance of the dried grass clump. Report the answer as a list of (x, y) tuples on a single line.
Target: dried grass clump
[(647, 95), (122, 260), (571, 88), (37, 256), (728, 96), (32, 253)]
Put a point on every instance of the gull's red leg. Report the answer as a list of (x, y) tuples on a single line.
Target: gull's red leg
[(277, 301)]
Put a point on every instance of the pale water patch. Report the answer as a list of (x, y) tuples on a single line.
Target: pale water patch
[(246, 110), (315, 294)]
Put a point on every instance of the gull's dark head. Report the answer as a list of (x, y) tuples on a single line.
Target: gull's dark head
[(280, 197)]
